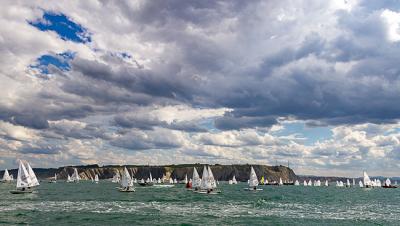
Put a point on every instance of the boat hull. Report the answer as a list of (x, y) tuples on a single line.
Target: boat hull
[(21, 192), (207, 192), (252, 189), (126, 190), (390, 186), (146, 184)]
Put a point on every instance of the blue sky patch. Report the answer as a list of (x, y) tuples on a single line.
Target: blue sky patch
[(312, 134), (61, 61), (63, 26)]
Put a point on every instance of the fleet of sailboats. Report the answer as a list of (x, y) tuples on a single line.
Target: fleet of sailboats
[(207, 184)]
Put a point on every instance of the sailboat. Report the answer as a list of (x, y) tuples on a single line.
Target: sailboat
[(149, 181), (262, 180), (75, 176), (185, 181), (388, 184), (305, 183), (367, 180), (310, 183), (208, 184), (96, 179), (188, 183), (348, 183), (196, 180), (116, 178), (233, 181), (253, 181), (54, 180), (6, 177), (126, 182), (360, 184), (69, 179), (296, 183), (26, 179), (354, 182), (326, 183), (212, 180), (280, 181)]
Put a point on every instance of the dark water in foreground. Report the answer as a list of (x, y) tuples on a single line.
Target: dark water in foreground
[(86, 203)]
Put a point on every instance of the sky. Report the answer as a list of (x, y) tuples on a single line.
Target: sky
[(312, 82)]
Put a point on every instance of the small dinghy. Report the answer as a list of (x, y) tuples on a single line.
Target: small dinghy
[(75, 176), (388, 184), (7, 178), (196, 180), (126, 182), (367, 181), (148, 182), (208, 184), (116, 178), (54, 180), (26, 179), (253, 181), (96, 179)]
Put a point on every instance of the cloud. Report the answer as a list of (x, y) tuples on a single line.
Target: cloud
[(210, 80)]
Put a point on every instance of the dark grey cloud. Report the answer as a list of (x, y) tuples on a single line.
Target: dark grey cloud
[(147, 123)]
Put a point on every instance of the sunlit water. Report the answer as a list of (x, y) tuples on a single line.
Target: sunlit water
[(87, 203)]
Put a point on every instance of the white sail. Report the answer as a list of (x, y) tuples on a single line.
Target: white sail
[(280, 181), (55, 177), (296, 183), (186, 179), (159, 181), (6, 176), (360, 184), (388, 182), (75, 176), (305, 183), (326, 183), (234, 180), (253, 181), (196, 179), (23, 178), (116, 178), (211, 178), (126, 180), (151, 178), (96, 178), (205, 182), (69, 178), (171, 181), (34, 180), (310, 183), (348, 183), (367, 181), (354, 182)]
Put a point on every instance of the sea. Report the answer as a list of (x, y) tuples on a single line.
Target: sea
[(87, 203)]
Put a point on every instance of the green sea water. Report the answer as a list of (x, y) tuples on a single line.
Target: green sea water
[(86, 203)]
